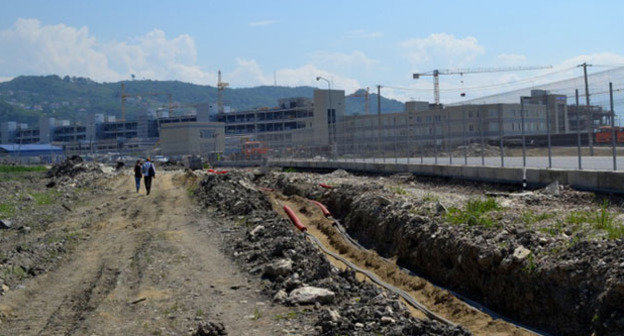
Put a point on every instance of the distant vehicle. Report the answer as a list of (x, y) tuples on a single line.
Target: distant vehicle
[(254, 150), (160, 158), (603, 134)]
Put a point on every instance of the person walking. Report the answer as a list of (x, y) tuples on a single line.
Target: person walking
[(138, 174), (149, 173)]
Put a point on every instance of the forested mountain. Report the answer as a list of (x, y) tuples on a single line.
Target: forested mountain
[(25, 98)]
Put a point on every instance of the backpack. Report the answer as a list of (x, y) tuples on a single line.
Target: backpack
[(151, 171)]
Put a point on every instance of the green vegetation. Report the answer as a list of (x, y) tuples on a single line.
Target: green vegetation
[(603, 219), (531, 265), (429, 197), (398, 190), (288, 316), (76, 97), (529, 218), (7, 210), (290, 170), (475, 212), (21, 169), (45, 197), (257, 314)]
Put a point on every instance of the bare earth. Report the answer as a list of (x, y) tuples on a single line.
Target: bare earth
[(146, 265)]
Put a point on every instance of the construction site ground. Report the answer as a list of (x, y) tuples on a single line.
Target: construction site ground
[(144, 265)]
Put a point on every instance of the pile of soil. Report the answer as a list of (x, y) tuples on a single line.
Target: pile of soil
[(566, 282), (269, 247)]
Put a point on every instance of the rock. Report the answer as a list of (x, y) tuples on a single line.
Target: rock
[(552, 189), (521, 253), (277, 268), (210, 329), (3, 289), (359, 325), (387, 320), (256, 230), (5, 224), (25, 229), (440, 208), (333, 315), (280, 296), (309, 294)]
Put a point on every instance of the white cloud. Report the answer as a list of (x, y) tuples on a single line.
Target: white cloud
[(362, 34), (262, 23), (443, 48), (342, 60), (32, 48), (249, 73), (511, 59)]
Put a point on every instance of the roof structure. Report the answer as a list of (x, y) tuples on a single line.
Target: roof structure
[(30, 148)]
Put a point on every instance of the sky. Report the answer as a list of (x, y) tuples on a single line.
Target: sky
[(354, 44)]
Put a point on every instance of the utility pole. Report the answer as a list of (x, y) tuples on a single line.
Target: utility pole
[(613, 135), (379, 118), (123, 101), (590, 120), (578, 129)]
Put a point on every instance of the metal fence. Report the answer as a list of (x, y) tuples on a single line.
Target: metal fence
[(554, 125)]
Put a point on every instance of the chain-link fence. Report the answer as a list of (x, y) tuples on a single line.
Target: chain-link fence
[(555, 125)]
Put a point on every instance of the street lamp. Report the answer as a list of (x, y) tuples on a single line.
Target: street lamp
[(331, 116)]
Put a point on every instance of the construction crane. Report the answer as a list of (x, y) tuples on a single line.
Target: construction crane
[(125, 95), (366, 95), (436, 73), (220, 87)]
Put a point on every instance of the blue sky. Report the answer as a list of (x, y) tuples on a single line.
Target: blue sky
[(354, 43)]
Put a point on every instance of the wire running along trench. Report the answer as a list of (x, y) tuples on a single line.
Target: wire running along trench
[(406, 296)]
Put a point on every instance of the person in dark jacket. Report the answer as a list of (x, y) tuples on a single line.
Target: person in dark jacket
[(138, 174), (149, 173)]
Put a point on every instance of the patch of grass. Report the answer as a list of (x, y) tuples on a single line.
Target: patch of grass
[(429, 197), (476, 212), (45, 197), (398, 190), (603, 220), (290, 170), (21, 169), (257, 314), (529, 217), (531, 265), (7, 210), (555, 229), (288, 316)]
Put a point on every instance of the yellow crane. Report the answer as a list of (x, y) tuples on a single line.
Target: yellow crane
[(366, 95), (436, 73), (220, 87)]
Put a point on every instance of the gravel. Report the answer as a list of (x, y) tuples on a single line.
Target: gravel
[(268, 247)]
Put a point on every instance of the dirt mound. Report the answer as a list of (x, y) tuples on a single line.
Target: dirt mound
[(71, 167), (270, 248), (565, 281), (233, 192)]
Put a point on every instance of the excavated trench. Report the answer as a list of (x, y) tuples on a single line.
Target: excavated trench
[(440, 301), (567, 296)]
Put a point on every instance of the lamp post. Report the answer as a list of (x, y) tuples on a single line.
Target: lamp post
[(331, 117)]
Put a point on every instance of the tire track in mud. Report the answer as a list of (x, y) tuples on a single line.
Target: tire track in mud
[(438, 300), (71, 313)]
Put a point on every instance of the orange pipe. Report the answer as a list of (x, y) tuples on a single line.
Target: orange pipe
[(294, 219), (326, 186), (326, 212)]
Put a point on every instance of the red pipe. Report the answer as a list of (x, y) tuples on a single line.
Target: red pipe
[(266, 189), (221, 172), (326, 212), (326, 186), (211, 170), (294, 219)]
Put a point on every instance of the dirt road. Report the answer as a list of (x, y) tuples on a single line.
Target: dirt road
[(146, 265)]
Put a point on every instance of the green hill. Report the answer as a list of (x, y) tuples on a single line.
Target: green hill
[(26, 98)]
